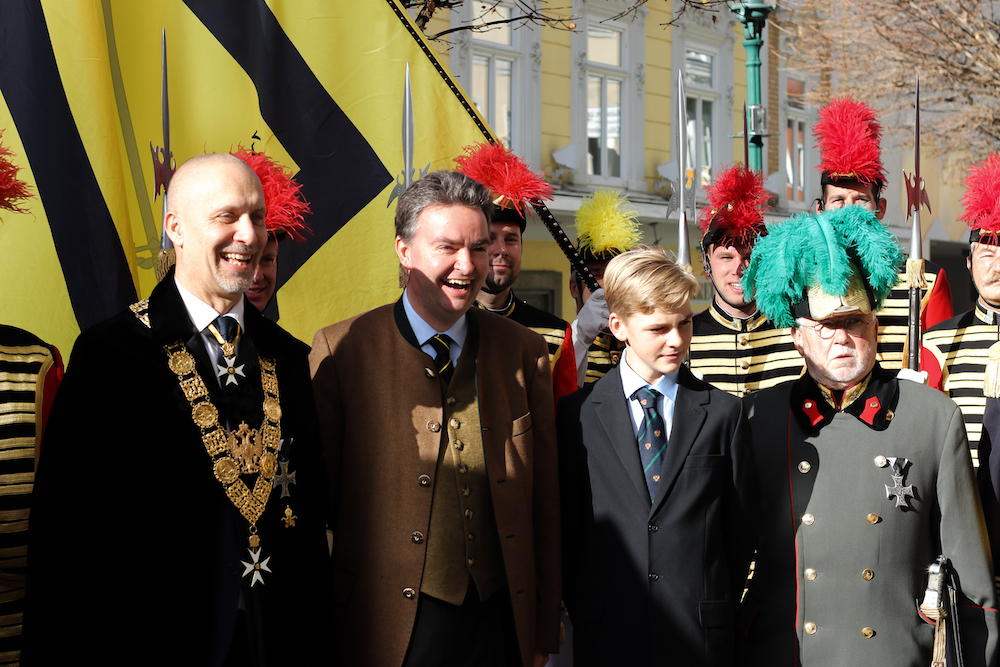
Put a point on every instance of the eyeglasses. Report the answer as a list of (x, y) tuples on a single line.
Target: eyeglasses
[(854, 326)]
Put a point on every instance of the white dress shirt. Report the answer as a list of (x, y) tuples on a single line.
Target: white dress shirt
[(202, 315), (666, 385)]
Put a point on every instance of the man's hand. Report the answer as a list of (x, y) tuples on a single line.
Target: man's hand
[(590, 321), (920, 377), (541, 659)]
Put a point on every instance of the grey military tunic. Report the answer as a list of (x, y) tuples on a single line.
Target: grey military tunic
[(844, 548)]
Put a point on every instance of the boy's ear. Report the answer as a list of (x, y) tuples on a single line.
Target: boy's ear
[(618, 328)]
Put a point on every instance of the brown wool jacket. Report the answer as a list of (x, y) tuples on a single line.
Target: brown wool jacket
[(379, 413)]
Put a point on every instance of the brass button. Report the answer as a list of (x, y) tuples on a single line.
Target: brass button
[(810, 628), (451, 400), (428, 372), (808, 519), (807, 405), (889, 414), (867, 633), (881, 461), (433, 426), (465, 490), (468, 514), (471, 561), (804, 466), (872, 518), (744, 340), (744, 364), (424, 480), (867, 575), (810, 573), (462, 468), (459, 445), (472, 538), (409, 593), (417, 537), (454, 423)]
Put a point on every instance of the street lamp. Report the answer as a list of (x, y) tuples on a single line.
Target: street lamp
[(753, 16)]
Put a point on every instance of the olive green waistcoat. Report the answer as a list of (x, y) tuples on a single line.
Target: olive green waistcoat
[(462, 541)]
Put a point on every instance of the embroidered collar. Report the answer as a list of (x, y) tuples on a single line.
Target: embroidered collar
[(873, 401), (986, 315), (742, 325)]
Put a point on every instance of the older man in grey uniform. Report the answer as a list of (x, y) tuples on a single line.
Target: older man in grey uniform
[(865, 480)]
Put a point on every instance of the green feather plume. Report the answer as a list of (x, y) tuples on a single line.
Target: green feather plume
[(818, 249)]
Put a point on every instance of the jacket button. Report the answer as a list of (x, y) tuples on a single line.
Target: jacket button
[(472, 538), (468, 514), (653, 576), (433, 426), (471, 561), (465, 490), (744, 364), (459, 445), (451, 400), (872, 518), (810, 628), (424, 480), (409, 593), (804, 466), (653, 528), (463, 468), (744, 340), (428, 372), (454, 423), (867, 575), (417, 537), (867, 633), (808, 519), (810, 573)]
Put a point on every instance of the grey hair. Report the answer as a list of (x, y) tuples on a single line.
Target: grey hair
[(439, 188)]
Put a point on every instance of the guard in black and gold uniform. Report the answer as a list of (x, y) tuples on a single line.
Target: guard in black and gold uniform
[(605, 227), (734, 347), (30, 372), (848, 134), (514, 187), (179, 512)]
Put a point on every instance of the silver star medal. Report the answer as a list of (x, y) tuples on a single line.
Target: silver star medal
[(256, 566), (231, 370), (900, 492)]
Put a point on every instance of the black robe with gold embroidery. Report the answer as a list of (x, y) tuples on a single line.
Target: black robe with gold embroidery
[(137, 553)]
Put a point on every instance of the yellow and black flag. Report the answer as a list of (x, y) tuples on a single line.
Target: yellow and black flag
[(317, 84)]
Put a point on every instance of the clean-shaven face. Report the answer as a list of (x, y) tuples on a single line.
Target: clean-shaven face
[(657, 341)]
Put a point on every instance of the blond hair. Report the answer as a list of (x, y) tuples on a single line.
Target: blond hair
[(644, 279)]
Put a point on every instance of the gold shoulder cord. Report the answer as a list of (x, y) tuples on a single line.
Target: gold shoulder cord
[(244, 451)]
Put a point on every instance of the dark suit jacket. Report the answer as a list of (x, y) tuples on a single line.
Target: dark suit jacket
[(135, 547), (655, 585), (381, 409)]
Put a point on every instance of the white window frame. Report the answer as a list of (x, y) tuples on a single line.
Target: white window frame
[(810, 158), (525, 54), (632, 75), (696, 31)]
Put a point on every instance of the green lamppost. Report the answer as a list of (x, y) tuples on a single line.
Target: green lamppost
[(753, 16)]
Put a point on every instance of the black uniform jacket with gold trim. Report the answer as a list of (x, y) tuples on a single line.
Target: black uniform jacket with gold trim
[(135, 549), (846, 539), (655, 583), (741, 356)]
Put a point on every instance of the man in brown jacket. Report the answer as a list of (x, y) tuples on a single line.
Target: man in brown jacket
[(439, 434)]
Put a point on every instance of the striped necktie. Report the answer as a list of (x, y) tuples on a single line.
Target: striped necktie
[(442, 356), (652, 438)]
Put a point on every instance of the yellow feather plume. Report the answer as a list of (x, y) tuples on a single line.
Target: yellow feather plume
[(605, 223)]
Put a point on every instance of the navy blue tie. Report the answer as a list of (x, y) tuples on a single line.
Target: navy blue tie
[(442, 356), (652, 438)]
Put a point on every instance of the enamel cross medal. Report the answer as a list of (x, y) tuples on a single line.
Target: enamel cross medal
[(901, 493), (230, 370), (256, 565)]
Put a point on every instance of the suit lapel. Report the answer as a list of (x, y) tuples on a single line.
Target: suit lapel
[(689, 417), (613, 413)]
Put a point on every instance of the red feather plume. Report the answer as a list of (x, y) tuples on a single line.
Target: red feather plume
[(737, 202), (286, 207), (12, 189), (847, 135), (505, 174), (981, 200)]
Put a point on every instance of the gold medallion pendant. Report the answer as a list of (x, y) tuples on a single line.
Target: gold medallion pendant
[(244, 451)]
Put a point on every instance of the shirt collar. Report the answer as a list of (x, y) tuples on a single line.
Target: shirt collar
[(631, 382), (424, 332), (202, 314)]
